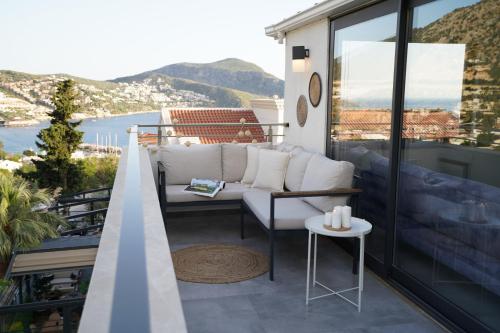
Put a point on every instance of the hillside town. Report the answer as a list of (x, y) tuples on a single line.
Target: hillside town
[(26, 101)]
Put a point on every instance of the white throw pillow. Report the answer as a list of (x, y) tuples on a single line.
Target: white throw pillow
[(252, 165), (323, 173), (299, 159), (271, 170)]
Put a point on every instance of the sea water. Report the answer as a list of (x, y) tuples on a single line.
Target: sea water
[(18, 139)]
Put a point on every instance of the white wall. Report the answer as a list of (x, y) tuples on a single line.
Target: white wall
[(314, 37)]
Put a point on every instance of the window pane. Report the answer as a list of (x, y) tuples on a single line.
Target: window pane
[(361, 113), (448, 219)]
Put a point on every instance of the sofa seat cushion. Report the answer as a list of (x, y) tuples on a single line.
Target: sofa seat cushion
[(232, 191), (289, 213), (184, 163)]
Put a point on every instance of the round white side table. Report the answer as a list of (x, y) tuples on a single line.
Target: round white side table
[(359, 228)]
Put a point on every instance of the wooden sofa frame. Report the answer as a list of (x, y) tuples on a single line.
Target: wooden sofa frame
[(271, 232)]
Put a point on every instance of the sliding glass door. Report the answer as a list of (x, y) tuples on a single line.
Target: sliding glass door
[(448, 216), (429, 167), (363, 70)]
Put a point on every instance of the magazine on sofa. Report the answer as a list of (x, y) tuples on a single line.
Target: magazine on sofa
[(205, 187)]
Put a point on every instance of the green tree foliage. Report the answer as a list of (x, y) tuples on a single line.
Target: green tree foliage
[(2, 151), (29, 153), (24, 223), (60, 140), (99, 172)]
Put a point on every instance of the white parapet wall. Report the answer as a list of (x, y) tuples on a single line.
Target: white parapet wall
[(163, 302)]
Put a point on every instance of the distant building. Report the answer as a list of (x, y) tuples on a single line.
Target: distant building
[(270, 110), (10, 165)]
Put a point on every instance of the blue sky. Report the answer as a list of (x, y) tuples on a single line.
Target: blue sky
[(104, 39)]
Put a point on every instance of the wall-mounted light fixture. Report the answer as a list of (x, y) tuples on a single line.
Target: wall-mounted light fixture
[(299, 55)]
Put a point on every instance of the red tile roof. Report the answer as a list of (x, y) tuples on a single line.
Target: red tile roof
[(149, 138), (216, 134)]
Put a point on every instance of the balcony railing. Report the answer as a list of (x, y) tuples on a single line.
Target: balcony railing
[(133, 286), (269, 133), (19, 315)]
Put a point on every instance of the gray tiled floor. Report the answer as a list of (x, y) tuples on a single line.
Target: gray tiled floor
[(260, 305)]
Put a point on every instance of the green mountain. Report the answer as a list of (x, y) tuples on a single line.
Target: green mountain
[(231, 73), (218, 96), (225, 83), (476, 26)]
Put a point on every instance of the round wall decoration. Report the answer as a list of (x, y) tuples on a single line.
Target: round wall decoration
[(315, 89), (302, 110)]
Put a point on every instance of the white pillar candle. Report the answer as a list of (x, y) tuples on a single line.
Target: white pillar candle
[(337, 217), (328, 219), (346, 217)]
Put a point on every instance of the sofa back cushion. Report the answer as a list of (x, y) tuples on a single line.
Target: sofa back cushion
[(296, 169), (184, 163), (285, 147), (323, 173), (271, 170), (234, 161)]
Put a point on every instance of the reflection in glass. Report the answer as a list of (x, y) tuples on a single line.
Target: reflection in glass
[(361, 113), (448, 218)]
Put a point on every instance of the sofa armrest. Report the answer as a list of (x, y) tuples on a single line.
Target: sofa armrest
[(353, 192), (161, 166), (321, 193), (161, 173), (162, 193)]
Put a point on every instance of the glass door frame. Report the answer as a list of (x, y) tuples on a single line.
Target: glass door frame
[(446, 312), (360, 15)]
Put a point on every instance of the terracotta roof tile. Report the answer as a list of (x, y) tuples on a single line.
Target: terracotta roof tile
[(216, 134)]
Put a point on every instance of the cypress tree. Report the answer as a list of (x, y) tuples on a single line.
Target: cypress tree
[(60, 140)]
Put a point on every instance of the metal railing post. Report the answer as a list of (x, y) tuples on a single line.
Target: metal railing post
[(92, 220), (270, 134), (159, 135)]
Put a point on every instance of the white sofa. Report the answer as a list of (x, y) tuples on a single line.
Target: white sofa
[(314, 184)]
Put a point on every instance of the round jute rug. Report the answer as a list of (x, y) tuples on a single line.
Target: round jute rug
[(218, 263)]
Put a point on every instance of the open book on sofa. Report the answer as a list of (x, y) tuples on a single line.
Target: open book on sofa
[(205, 187)]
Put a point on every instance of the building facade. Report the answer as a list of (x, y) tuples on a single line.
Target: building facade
[(409, 94)]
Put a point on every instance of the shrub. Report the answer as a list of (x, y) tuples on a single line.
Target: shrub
[(98, 172)]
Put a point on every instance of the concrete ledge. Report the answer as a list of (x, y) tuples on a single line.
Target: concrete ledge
[(165, 310)]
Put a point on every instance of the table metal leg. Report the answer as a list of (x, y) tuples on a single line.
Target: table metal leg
[(308, 267), (361, 271), (315, 257)]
